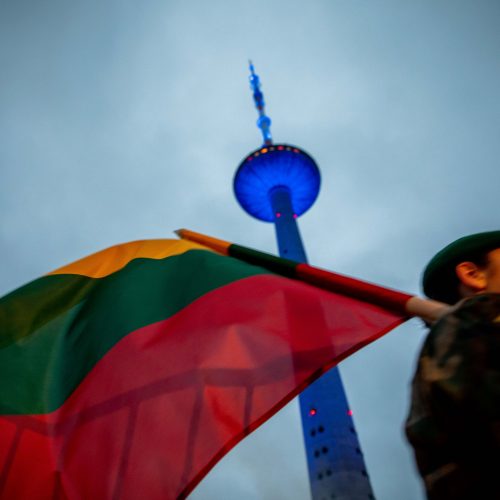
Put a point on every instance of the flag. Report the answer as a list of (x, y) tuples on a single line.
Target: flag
[(129, 373)]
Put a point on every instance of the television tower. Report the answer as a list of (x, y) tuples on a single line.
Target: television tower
[(277, 183)]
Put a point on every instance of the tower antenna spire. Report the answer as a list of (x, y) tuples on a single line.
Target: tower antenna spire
[(263, 122)]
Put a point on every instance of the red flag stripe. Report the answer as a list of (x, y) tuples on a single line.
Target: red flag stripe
[(170, 399)]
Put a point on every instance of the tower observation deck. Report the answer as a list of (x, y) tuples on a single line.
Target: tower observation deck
[(277, 183)]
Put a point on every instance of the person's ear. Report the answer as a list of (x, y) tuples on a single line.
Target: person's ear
[(472, 276)]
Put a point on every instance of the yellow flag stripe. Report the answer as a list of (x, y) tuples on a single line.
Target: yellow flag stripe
[(114, 258)]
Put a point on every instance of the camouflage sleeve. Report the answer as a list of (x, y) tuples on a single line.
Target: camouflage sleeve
[(454, 421)]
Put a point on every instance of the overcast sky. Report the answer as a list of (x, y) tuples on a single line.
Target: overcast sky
[(124, 120)]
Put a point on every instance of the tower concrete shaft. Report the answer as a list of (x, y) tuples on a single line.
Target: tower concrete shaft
[(335, 461)]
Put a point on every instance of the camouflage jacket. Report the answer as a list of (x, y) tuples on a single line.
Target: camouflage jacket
[(454, 419)]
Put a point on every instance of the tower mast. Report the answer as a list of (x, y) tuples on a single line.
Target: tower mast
[(277, 183)]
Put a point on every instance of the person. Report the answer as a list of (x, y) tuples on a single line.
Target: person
[(454, 419)]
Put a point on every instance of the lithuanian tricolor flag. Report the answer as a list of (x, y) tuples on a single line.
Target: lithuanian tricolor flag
[(129, 373)]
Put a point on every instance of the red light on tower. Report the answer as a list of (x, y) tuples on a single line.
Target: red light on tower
[(312, 412)]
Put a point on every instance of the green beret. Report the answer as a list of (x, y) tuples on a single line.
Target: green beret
[(440, 281)]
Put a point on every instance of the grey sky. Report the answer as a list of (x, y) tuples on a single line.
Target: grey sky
[(124, 120)]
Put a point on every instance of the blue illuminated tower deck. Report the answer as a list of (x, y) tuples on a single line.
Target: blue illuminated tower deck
[(278, 183)]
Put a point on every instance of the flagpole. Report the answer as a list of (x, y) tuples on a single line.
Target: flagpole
[(400, 302)]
